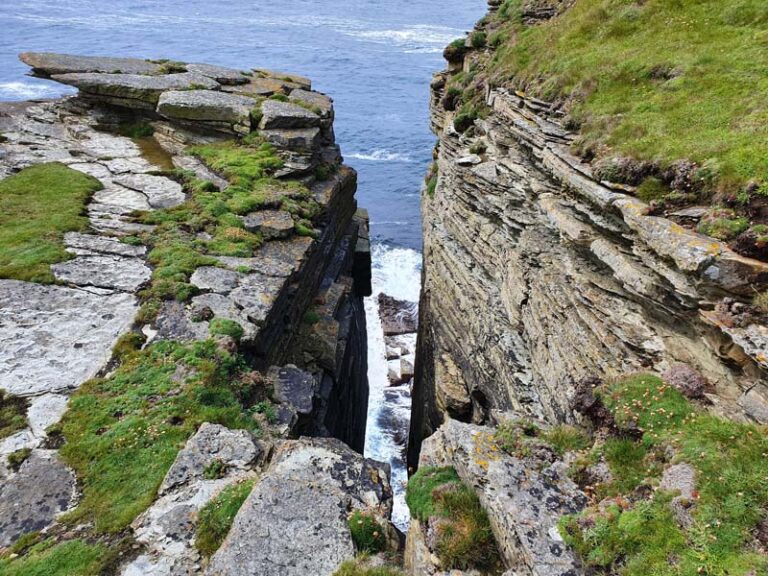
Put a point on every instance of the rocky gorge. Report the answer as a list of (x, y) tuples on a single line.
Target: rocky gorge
[(187, 279)]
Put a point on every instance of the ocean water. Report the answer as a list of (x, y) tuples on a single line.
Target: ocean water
[(374, 57)]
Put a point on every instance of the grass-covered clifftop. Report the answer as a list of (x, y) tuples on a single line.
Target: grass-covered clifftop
[(668, 96)]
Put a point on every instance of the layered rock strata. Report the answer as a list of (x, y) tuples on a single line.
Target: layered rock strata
[(536, 275), (56, 337)]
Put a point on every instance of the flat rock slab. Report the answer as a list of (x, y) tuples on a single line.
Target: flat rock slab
[(49, 63), (300, 81), (206, 106), (256, 295), (120, 199), (271, 223), (320, 103), (212, 442), (31, 499), (88, 244), (54, 338), (276, 114), (294, 523), (161, 192), (135, 89), (219, 280), (293, 386), (103, 271), (293, 139), (397, 316), (221, 74)]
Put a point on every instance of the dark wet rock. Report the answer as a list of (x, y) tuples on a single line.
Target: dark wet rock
[(278, 115), (687, 380), (212, 443), (208, 106), (397, 316), (31, 499), (294, 522), (588, 404), (271, 223), (47, 64), (134, 90), (294, 387), (221, 74)]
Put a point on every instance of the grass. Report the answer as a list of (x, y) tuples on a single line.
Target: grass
[(123, 432), (216, 517), (565, 438), (635, 537), (464, 537), (367, 534), (357, 567), (37, 206), (13, 414), (657, 80), (73, 558), (224, 327), (17, 458)]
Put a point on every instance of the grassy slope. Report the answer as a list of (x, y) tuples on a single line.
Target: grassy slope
[(661, 79), (37, 206), (636, 535)]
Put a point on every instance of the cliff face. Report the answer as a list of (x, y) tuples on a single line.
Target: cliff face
[(205, 299), (537, 275)]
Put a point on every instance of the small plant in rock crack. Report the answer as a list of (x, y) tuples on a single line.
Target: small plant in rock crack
[(215, 469), (367, 532), (268, 409)]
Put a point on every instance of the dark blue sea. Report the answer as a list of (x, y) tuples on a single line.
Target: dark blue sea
[(374, 57)]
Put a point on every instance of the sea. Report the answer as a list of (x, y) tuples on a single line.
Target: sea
[(374, 57)]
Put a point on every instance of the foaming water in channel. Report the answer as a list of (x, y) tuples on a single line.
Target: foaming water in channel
[(397, 273), (375, 58)]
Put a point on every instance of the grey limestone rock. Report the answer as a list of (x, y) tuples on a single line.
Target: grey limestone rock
[(221, 74), (294, 386), (271, 223), (280, 115), (104, 271), (48, 64), (31, 499), (161, 192), (207, 106), (294, 523), (319, 103), (219, 280)]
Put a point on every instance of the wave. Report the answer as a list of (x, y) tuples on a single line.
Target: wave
[(416, 37), (380, 156), (396, 272), (29, 90)]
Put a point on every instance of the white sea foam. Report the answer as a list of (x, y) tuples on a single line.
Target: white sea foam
[(380, 156), (414, 38), (396, 272), (29, 90)]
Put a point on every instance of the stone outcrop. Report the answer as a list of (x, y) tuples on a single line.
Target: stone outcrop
[(537, 274), (294, 522), (524, 498), (55, 337)]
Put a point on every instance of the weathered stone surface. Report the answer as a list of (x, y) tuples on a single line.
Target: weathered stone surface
[(218, 280), (271, 223), (48, 63), (207, 106), (397, 316), (78, 243), (298, 139), (258, 86), (294, 387), (134, 90), (256, 295), (294, 523), (212, 442), (161, 192), (31, 499), (279, 115), (300, 81), (44, 411), (687, 380), (319, 103), (80, 327), (221, 74), (524, 499), (103, 271)]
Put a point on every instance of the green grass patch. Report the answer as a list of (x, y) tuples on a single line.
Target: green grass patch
[(224, 327), (123, 433), (653, 80), (37, 206), (634, 539), (13, 414), (17, 458), (358, 567), (464, 536), (367, 534), (216, 517), (565, 438), (73, 558)]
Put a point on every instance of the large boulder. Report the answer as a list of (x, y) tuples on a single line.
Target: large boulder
[(397, 316), (207, 106), (294, 523), (524, 497), (277, 114)]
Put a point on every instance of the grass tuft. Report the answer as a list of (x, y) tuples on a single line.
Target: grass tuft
[(216, 517), (367, 534), (13, 414)]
